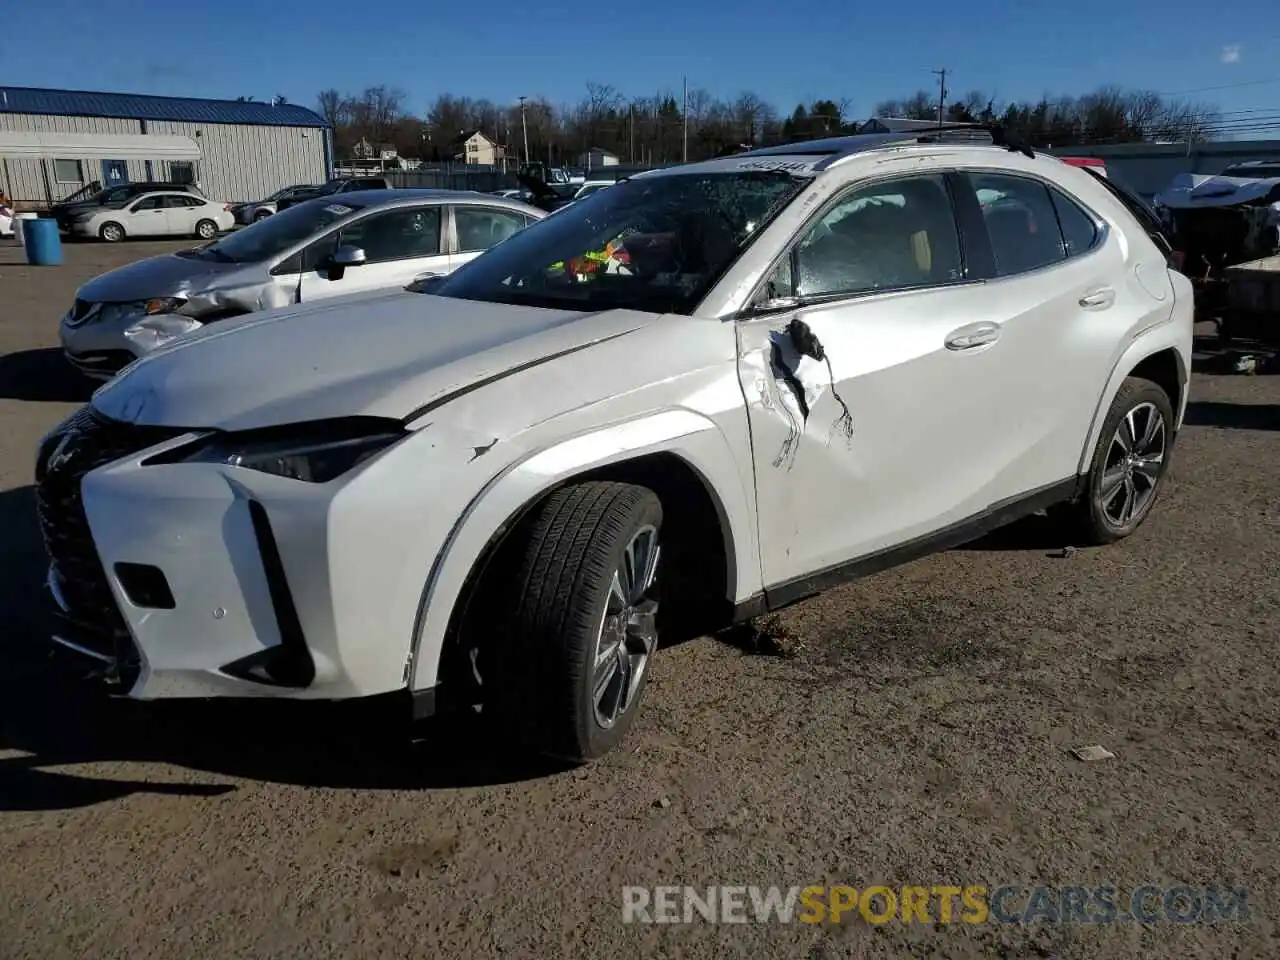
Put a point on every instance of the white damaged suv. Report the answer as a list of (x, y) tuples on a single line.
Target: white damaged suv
[(708, 391)]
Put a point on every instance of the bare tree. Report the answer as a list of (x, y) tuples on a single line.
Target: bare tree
[(333, 107)]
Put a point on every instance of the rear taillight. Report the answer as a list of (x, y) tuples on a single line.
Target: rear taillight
[(227, 207)]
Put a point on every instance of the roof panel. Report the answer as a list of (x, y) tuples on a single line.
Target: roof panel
[(81, 103)]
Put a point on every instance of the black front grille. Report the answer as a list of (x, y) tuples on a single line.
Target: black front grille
[(82, 443)]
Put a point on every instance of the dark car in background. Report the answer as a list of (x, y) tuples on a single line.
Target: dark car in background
[(67, 211), (337, 185), (246, 213)]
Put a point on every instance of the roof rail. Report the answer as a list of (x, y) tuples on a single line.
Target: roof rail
[(837, 148), (999, 136)]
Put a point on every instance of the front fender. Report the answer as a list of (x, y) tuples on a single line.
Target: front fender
[(693, 437)]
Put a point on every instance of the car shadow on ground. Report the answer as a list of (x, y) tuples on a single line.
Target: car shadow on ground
[(1037, 532), (53, 721), (42, 376), (1239, 416)]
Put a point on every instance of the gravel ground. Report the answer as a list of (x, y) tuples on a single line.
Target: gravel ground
[(912, 728)]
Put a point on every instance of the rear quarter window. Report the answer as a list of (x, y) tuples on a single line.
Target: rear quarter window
[(1079, 231)]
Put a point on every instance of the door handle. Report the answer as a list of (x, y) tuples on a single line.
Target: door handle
[(973, 335), (1098, 299)]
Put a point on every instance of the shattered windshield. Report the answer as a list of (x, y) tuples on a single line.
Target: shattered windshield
[(274, 235), (656, 244)]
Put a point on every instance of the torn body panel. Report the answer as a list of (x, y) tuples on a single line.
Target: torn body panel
[(910, 423)]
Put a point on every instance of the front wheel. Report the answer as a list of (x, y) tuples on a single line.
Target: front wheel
[(1129, 463), (573, 653), (260, 216), (111, 232), (206, 229)]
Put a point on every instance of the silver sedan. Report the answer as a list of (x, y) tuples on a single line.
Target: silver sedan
[(358, 243)]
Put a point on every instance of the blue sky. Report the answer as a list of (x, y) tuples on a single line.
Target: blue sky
[(864, 52)]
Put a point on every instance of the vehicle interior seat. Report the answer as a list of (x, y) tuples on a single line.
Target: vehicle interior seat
[(1020, 245)]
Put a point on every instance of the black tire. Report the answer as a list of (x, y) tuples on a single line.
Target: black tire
[(1094, 522), (111, 232), (206, 230), (538, 671), (260, 216)]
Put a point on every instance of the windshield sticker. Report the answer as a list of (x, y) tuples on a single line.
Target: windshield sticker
[(799, 166), (337, 209)]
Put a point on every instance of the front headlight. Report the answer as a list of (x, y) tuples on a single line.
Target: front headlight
[(145, 308), (315, 452)]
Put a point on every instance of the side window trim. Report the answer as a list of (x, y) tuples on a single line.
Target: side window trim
[(975, 244), (449, 229), (790, 253)]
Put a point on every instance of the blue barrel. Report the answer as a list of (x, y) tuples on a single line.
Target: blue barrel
[(42, 242)]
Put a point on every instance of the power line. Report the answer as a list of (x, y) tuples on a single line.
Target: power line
[(1224, 86)]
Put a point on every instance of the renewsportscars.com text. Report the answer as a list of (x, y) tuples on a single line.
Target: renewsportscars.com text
[(1105, 904)]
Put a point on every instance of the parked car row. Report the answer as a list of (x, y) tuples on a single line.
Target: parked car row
[(322, 248), (703, 393)]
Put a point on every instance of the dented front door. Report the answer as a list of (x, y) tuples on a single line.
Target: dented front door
[(893, 435)]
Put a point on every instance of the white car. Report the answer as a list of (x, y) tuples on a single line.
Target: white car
[(158, 214), (712, 391)]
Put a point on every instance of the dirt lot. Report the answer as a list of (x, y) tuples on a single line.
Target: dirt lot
[(917, 732)]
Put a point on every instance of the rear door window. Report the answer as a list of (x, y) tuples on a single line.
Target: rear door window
[(1021, 222), (480, 228)]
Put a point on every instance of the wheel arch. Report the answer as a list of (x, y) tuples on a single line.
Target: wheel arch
[(1158, 356), (692, 471)]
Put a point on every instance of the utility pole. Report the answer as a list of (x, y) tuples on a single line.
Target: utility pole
[(942, 92), (524, 126), (684, 117), (633, 132)]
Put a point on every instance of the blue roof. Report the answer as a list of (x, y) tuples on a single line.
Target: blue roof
[(137, 106)]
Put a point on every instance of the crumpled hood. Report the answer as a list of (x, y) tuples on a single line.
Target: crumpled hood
[(383, 356), (1201, 190), (162, 276)]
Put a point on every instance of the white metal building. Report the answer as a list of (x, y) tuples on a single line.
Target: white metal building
[(54, 143)]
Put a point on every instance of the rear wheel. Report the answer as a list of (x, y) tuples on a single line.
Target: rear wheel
[(206, 229), (111, 232), (580, 620), (1129, 463)]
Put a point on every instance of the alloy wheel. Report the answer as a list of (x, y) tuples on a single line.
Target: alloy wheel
[(628, 629), (1133, 467)]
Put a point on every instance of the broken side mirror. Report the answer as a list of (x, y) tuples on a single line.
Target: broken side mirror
[(343, 258)]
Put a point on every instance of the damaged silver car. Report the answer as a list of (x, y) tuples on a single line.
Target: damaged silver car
[(328, 247)]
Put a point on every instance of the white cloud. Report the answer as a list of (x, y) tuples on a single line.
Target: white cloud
[(1231, 53)]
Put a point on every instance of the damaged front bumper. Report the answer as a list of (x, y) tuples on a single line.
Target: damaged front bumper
[(101, 348)]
